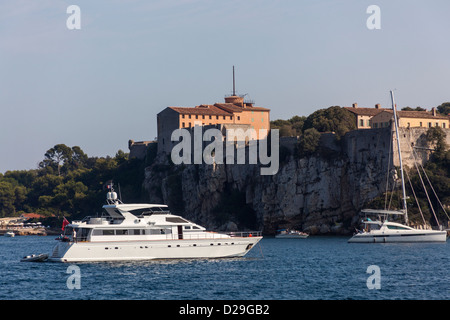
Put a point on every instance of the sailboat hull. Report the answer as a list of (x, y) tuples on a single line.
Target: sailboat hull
[(400, 237)]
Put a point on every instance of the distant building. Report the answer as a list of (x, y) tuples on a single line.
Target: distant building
[(364, 115), (411, 119), (138, 149), (235, 112), (368, 118)]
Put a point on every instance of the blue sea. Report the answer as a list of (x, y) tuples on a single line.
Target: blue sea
[(325, 268)]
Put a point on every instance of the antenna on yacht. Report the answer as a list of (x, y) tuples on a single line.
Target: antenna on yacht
[(394, 109)]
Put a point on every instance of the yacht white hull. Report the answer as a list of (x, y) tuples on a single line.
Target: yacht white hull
[(155, 249), (406, 236)]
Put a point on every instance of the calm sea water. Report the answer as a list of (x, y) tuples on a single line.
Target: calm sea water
[(278, 269)]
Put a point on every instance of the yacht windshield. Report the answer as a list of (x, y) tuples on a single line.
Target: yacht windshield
[(149, 211)]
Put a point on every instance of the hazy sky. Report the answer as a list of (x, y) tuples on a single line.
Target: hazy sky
[(102, 85)]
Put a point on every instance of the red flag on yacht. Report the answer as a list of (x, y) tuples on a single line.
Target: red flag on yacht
[(65, 223)]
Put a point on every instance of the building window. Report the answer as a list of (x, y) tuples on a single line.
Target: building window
[(189, 124), (182, 116), (367, 123), (223, 117), (231, 117), (217, 117), (183, 124), (437, 124), (421, 124), (203, 117), (361, 123), (210, 117), (196, 116), (429, 124), (189, 116), (443, 125), (239, 118)]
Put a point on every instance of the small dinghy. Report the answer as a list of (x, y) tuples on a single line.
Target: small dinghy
[(35, 258)]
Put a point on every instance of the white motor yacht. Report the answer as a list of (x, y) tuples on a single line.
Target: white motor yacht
[(291, 234), (145, 232)]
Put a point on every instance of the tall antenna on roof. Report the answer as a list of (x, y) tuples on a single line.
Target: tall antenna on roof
[(234, 87)]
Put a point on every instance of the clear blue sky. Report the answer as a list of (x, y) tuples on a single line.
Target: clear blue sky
[(102, 85)]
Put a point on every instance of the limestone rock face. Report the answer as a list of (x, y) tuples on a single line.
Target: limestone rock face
[(320, 194)]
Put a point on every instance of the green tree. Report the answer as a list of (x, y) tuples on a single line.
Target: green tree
[(7, 199), (436, 136), (444, 108), (413, 109), (56, 157), (309, 142), (333, 119), (289, 128)]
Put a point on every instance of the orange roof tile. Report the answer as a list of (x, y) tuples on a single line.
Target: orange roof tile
[(206, 110)]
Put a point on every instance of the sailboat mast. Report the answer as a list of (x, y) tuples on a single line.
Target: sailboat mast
[(394, 109)]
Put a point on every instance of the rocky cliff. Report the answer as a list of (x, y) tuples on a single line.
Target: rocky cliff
[(320, 194)]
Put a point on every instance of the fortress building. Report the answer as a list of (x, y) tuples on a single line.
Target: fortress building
[(234, 113)]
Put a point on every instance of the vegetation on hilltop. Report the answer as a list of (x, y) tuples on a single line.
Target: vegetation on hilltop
[(333, 119), (444, 108)]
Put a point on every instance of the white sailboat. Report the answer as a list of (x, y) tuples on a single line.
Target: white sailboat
[(382, 230)]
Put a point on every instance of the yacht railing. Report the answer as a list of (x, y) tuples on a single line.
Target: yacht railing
[(207, 235), (214, 235), (244, 234)]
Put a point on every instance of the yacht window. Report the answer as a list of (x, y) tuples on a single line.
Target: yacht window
[(136, 232), (121, 232), (397, 228), (149, 211), (108, 232), (176, 220), (195, 227), (187, 227), (82, 234)]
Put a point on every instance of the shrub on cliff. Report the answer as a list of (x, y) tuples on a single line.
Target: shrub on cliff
[(309, 142)]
